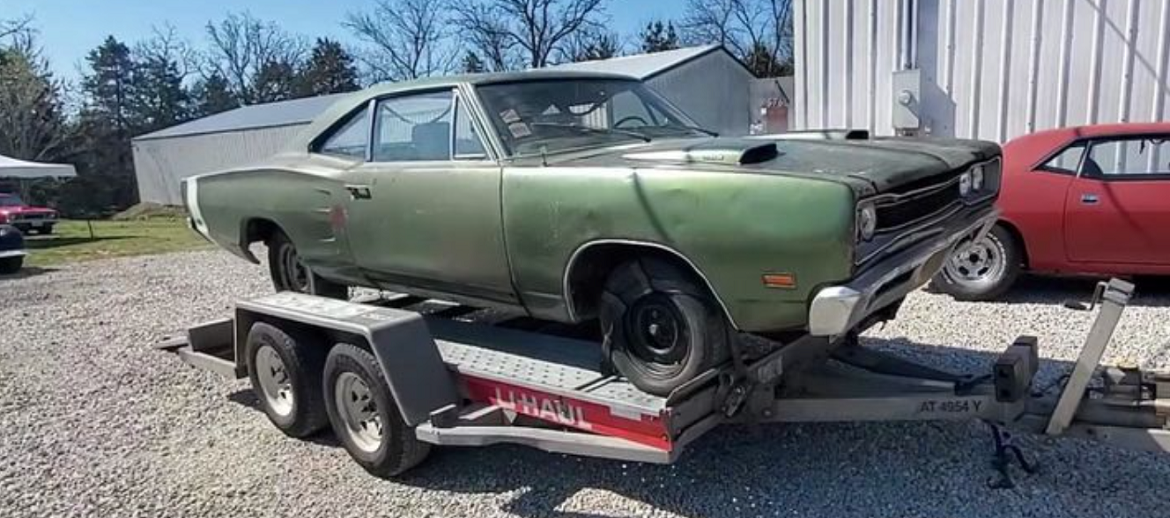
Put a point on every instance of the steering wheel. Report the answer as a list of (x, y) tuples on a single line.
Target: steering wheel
[(630, 118)]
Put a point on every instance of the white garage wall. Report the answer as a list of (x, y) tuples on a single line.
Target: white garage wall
[(992, 69)]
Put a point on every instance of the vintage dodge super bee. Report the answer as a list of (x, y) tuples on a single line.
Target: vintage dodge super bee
[(578, 197)]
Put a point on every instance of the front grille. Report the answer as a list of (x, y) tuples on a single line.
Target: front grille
[(33, 217), (915, 206)]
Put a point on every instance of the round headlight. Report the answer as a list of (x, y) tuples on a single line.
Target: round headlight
[(977, 178), (965, 184), (866, 222)]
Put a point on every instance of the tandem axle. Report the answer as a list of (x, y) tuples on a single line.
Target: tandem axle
[(436, 380)]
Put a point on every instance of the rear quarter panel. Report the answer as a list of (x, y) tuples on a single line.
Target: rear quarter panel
[(305, 206), (733, 226)]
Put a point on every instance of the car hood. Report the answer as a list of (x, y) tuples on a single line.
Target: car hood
[(24, 210), (870, 166)]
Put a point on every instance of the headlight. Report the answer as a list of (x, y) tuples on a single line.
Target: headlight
[(4, 231), (866, 222), (977, 178), (965, 184)]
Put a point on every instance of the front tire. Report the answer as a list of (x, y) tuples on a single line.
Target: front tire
[(982, 270), (286, 377), (661, 327), (11, 265), (289, 273), (365, 417)]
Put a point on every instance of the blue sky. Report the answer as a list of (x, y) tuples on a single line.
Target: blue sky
[(70, 28)]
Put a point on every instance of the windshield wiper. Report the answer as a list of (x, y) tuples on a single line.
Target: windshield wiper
[(590, 129), (693, 128)]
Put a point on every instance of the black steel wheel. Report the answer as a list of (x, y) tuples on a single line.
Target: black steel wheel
[(661, 326), (289, 272)]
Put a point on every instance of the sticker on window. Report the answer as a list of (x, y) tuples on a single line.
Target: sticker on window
[(519, 130), (510, 116)]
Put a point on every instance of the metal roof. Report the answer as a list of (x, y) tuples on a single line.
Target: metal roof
[(642, 66), (284, 113), (303, 111)]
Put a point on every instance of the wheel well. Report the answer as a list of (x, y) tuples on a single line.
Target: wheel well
[(1021, 245), (258, 229), (590, 268)]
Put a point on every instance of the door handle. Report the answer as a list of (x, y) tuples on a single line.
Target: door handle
[(359, 192), (1089, 199)]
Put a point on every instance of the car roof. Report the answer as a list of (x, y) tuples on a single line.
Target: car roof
[(1099, 130)]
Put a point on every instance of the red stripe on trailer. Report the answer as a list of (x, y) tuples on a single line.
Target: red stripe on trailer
[(649, 430)]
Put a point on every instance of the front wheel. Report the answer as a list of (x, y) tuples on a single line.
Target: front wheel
[(662, 327), (981, 270), (11, 265), (289, 273)]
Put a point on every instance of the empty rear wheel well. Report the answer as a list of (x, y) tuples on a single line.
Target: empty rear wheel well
[(258, 230), (1018, 238), (591, 266)]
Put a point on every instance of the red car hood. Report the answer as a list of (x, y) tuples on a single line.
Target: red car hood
[(26, 210)]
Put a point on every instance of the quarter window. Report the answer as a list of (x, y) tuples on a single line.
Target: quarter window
[(414, 128), (1131, 157), (1066, 161), (468, 144), (352, 139)]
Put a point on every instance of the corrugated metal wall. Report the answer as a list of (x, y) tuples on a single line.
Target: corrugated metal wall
[(714, 89), (991, 69), (160, 164)]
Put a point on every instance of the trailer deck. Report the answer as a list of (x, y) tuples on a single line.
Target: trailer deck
[(462, 383)]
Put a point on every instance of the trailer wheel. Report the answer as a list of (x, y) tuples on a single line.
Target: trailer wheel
[(364, 415), (662, 327), (286, 377)]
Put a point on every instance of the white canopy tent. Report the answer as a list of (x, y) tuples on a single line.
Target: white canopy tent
[(13, 168)]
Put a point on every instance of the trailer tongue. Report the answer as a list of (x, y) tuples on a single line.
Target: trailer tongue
[(457, 383)]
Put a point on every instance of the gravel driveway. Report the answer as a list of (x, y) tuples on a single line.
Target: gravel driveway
[(95, 423)]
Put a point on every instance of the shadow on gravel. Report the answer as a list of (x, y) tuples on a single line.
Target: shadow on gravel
[(823, 469), (247, 399), (26, 272), (1037, 289)]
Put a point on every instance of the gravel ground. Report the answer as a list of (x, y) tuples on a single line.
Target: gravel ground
[(95, 423)]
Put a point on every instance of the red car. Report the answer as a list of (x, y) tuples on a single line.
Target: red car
[(1087, 200), (27, 218)]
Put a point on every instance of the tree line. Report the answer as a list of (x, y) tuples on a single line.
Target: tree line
[(128, 89)]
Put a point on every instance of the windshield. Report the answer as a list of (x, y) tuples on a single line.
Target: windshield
[(547, 116), (8, 200)]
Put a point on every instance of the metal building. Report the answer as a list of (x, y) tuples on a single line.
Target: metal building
[(988, 69), (707, 82)]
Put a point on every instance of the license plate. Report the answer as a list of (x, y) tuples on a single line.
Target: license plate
[(38, 224)]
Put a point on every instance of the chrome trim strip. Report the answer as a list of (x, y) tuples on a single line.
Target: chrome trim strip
[(13, 253), (649, 244)]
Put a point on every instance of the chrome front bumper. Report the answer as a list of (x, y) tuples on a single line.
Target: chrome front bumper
[(836, 310), (12, 253)]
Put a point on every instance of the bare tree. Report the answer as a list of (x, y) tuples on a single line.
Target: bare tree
[(166, 46), (241, 45), (757, 29), (406, 39), (486, 30), (538, 28), (31, 104)]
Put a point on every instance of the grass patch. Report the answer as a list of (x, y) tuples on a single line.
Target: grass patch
[(71, 240)]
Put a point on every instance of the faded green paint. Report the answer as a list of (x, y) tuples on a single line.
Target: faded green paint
[(503, 231)]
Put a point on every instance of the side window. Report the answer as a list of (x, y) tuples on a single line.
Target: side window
[(1066, 161), (468, 144), (351, 139), (414, 128), (1131, 157)]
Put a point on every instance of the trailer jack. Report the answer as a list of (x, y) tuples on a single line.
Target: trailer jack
[(468, 383)]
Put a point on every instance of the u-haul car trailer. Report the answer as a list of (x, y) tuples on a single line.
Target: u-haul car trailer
[(392, 382)]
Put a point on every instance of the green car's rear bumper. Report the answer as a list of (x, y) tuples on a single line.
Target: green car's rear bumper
[(835, 310)]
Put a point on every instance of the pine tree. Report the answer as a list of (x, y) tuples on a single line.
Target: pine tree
[(472, 64), (161, 99), (275, 81), (107, 122), (762, 62), (658, 37), (330, 70), (213, 95)]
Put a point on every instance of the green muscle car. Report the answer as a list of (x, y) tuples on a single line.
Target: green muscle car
[(577, 197)]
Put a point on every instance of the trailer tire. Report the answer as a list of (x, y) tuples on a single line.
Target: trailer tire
[(661, 326), (286, 377), (365, 417)]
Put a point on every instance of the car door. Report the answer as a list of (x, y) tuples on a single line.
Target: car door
[(424, 210), (1117, 210)]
